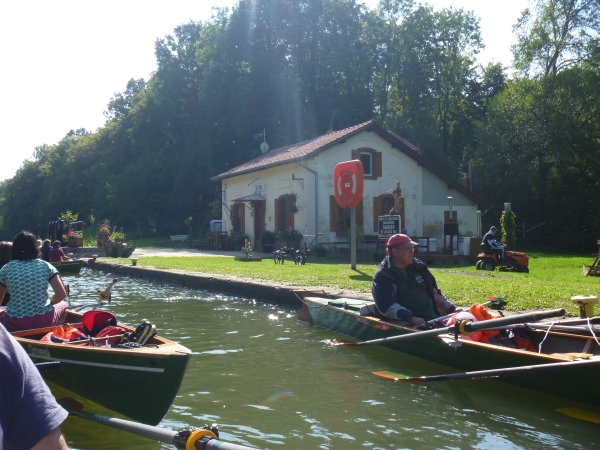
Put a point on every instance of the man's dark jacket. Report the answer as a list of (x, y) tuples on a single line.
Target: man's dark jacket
[(385, 292)]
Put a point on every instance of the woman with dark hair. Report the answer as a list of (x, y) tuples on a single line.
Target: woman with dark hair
[(4, 259), (27, 277), (56, 254)]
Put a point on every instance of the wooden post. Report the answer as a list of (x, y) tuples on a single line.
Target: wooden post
[(353, 238)]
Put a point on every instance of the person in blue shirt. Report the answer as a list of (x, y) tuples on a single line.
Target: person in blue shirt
[(30, 417), (491, 245)]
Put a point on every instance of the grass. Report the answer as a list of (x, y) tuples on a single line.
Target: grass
[(552, 281)]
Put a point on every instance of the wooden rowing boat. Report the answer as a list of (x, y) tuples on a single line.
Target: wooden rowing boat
[(140, 383), (576, 381), (68, 267)]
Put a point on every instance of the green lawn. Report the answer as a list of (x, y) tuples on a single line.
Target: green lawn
[(552, 281)]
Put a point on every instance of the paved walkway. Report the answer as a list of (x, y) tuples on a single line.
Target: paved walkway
[(145, 252)]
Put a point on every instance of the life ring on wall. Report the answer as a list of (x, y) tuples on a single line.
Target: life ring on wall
[(349, 177)]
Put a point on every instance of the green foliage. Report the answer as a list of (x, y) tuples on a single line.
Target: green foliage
[(268, 237), (69, 217), (116, 236), (409, 66), (240, 240), (290, 235), (507, 224), (247, 249)]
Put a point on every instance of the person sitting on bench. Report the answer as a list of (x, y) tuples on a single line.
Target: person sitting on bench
[(491, 245)]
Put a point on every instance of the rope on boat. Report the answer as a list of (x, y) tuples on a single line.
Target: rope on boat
[(545, 336)]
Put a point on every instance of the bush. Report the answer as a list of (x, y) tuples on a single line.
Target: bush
[(290, 235), (240, 240), (267, 237)]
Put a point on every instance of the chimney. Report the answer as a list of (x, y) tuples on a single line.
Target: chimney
[(466, 181)]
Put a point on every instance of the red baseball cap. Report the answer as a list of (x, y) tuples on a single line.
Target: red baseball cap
[(401, 240)]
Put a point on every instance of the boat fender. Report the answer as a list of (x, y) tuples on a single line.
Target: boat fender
[(196, 436)]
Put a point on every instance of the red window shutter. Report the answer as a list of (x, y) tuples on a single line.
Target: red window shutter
[(378, 164), (355, 154), (333, 214), (242, 219), (359, 214), (376, 213), (277, 215)]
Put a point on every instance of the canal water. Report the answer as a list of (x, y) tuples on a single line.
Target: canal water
[(272, 382)]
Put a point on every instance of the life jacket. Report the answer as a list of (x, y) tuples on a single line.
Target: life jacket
[(63, 333), (481, 313), (94, 321)]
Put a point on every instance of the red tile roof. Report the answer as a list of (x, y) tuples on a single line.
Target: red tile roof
[(312, 147), (299, 151)]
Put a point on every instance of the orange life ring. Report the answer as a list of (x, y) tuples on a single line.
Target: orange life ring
[(349, 178)]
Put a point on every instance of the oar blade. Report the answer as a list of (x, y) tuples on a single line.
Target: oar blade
[(336, 343), (580, 414), (397, 376)]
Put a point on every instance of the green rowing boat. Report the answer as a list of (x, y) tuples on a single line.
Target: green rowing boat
[(139, 383), (68, 267), (573, 381)]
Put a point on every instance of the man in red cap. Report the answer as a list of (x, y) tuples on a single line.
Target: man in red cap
[(403, 287)]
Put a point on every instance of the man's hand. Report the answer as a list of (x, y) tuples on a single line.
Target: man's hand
[(414, 320)]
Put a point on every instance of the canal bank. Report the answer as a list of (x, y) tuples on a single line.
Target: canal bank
[(263, 290)]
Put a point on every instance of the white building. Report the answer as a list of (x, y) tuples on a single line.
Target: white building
[(292, 187)]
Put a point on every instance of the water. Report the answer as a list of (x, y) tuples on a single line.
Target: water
[(272, 382)]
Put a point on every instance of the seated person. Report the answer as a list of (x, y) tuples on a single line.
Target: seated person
[(491, 245), (26, 277), (4, 259), (404, 289), (46, 249), (30, 416), (56, 254)]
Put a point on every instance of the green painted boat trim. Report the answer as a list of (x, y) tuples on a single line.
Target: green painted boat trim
[(580, 384), (68, 267), (139, 383)]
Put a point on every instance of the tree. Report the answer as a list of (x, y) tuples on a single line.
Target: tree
[(559, 34)]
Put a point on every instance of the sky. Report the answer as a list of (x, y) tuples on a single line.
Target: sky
[(63, 61)]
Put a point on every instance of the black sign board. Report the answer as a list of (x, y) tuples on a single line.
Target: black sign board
[(388, 226)]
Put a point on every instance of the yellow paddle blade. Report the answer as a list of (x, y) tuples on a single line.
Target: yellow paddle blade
[(580, 414)]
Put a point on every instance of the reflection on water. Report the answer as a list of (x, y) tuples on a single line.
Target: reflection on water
[(274, 383)]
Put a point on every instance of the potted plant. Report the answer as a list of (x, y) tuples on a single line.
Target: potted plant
[(103, 233), (117, 236)]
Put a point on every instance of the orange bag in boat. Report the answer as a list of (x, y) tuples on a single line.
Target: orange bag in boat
[(482, 313), (63, 333)]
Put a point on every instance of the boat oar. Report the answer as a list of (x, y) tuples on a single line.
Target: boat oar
[(105, 294), (492, 373), (463, 326), (199, 439), (581, 414)]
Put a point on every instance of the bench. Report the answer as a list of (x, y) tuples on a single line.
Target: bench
[(180, 237)]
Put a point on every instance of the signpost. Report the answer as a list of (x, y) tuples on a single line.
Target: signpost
[(389, 225), (349, 186)]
